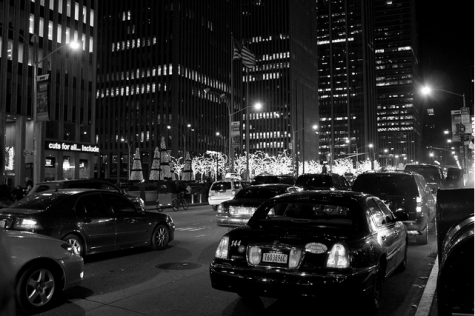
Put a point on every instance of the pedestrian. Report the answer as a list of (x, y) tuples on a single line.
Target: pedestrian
[(28, 185), (324, 169), (17, 193)]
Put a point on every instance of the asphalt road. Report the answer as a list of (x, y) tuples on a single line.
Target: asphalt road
[(176, 281)]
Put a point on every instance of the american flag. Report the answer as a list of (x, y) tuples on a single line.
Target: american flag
[(242, 52)]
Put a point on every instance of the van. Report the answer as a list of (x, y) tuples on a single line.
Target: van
[(433, 174), (224, 190)]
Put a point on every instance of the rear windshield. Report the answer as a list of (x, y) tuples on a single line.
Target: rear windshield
[(226, 185), (386, 185), (318, 212), (315, 181), (265, 179), (431, 174), (259, 193), (38, 201)]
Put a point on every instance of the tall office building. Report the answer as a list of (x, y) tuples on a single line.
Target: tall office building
[(37, 33), (399, 113), (157, 57), (283, 36), (346, 84)]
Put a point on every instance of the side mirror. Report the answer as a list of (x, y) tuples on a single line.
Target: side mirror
[(401, 215)]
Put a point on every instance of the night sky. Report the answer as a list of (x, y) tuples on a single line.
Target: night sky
[(446, 54)]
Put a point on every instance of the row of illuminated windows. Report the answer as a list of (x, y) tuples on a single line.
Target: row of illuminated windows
[(259, 39), (394, 83), (397, 112), (258, 77), (394, 76), (393, 106), (263, 145), (68, 10), (393, 49), (138, 89), (274, 56), (395, 129), (132, 43), (395, 118), (338, 40), (405, 123)]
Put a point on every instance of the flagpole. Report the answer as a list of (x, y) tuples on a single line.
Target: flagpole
[(247, 125), (230, 150)]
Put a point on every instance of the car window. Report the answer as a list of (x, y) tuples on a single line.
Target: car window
[(431, 174), (258, 193), (221, 186), (43, 187), (92, 204), (377, 218), (314, 181), (119, 204), (386, 211), (37, 202), (403, 185)]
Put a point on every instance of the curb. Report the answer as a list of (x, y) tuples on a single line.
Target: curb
[(426, 303)]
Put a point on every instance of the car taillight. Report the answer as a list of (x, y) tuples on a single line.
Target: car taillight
[(254, 255), (27, 224), (338, 257), (222, 209), (418, 204), (294, 260), (223, 248)]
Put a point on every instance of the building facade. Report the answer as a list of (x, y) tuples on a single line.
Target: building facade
[(346, 84), (60, 143), (400, 113)]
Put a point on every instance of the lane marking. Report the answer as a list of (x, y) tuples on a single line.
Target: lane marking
[(425, 304)]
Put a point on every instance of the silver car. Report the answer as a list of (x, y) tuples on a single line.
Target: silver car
[(43, 267)]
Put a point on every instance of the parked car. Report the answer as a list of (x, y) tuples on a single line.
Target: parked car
[(237, 211), (433, 174), (320, 181), (42, 267), (322, 244), (91, 220), (223, 190), (86, 184), (269, 178), (407, 191)]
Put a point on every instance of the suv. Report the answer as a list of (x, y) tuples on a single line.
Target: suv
[(223, 190), (406, 191), (320, 181), (83, 184), (433, 174), (269, 178)]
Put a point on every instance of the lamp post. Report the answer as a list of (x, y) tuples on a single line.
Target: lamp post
[(427, 90), (184, 138), (128, 157), (38, 124), (230, 149)]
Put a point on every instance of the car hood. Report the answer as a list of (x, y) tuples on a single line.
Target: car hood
[(29, 235), (6, 211)]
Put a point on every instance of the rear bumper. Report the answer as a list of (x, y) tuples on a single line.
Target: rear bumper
[(274, 283), (216, 200), (417, 225)]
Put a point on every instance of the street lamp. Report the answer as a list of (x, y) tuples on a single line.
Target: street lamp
[(38, 124), (184, 138), (230, 149), (128, 157)]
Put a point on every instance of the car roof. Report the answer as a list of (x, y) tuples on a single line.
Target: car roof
[(76, 180), (332, 194), (269, 185)]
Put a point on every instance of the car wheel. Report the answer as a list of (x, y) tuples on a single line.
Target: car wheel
[(160, 237), (77, 243), (215, 207), (373, 298), (37, 288), (424, 238), (402, 266)]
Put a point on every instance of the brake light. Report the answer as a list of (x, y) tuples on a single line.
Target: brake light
[(221, 209), (295, 255), (223, 248), (27, 224), (338, 257), (418, 204), (254, 255)]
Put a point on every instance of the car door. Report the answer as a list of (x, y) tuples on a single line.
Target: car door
[(96, 220), (386, 234), (131, 227), (399, 231)]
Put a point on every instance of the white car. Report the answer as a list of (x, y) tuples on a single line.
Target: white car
[(224, 190)]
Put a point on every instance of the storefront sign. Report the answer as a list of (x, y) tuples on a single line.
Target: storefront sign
[(62, 146)]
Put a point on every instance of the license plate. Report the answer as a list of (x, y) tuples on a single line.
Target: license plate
[(274, 257)]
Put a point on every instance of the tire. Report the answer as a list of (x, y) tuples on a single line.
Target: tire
[(184, 204), (214, 207), (37, 288), (160, 237), (77, 243), (424, 238), (402, 266), (373, 299), (175, 205)]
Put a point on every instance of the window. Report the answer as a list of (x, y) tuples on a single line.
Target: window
[(92, 204), (119, 205)]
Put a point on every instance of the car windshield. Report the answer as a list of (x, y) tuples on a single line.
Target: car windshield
[(386, 184), (314, 181), (317, 212), (38, 201), (259, 193), (266, 179)]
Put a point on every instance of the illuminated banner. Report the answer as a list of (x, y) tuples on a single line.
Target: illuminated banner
[(42, 97), (62, 146), (455, 125)]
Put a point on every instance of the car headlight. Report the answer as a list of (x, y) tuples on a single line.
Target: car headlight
[(223, 248), (27, 224)]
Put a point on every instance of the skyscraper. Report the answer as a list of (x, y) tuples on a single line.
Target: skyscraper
[(397, 75)]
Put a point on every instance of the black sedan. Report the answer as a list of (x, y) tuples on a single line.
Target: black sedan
[(237, 211), (322, 244), (91, 220)]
